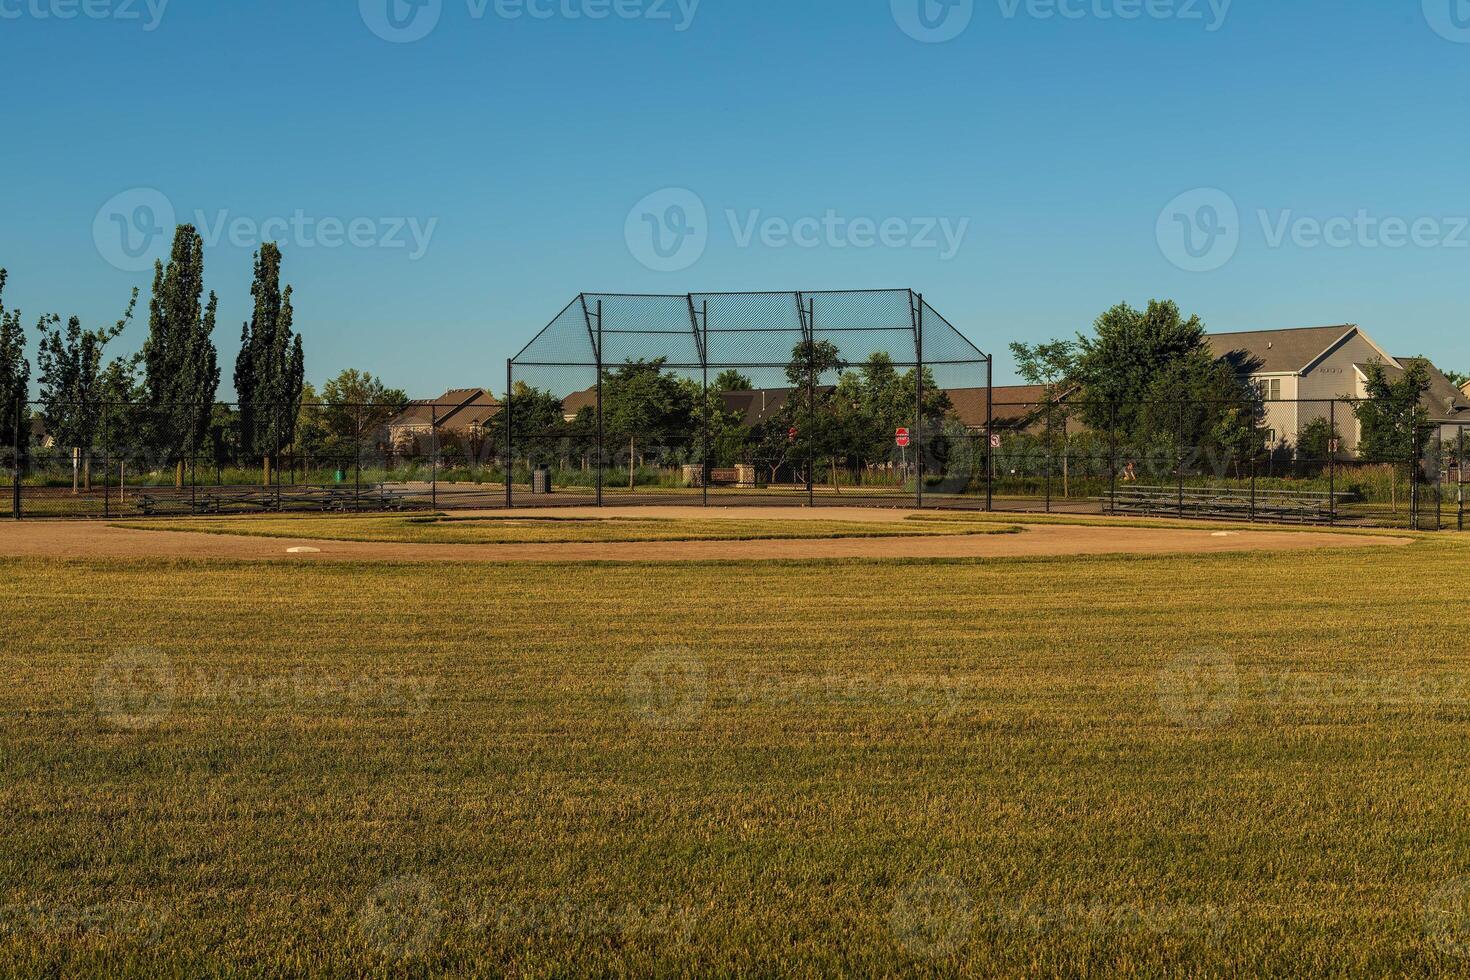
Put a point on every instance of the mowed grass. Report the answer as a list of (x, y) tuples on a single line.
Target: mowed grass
[(552, 530), (1218, 765)]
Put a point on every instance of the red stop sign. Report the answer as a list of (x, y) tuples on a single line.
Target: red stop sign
[(901, 437)]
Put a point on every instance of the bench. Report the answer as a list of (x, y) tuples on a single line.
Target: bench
[(222, 500), (1224, 503)]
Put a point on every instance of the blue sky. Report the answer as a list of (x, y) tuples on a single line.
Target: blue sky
[(1068, 146)]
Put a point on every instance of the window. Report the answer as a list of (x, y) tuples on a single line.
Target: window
[(1270, 389)]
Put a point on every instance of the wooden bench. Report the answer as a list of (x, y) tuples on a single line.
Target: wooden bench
[(1224, 503), (223, 500)]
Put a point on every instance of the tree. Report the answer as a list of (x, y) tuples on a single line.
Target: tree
[(1457, 379), (270, 369), (353, 404), (1393, 420), (640, 401), (536, 422), (15, 378), (809, 409), (1118, 365), (731, 380), (121, 392), (1148, 378), (69, 369), (1052, 367), (181, 369), (1315, 440)]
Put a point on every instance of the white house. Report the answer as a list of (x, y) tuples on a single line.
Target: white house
[(1315, 372)]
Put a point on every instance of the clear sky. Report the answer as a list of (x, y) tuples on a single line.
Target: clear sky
[(440, 197)]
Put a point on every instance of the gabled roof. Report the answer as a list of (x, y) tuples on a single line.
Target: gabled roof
[(1443, 401), (1011, 406), (1290, 351), (457, 408)]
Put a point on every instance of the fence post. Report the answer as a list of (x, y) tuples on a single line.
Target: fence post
[(1179, 460), (989, 432), (106, 462), (919, 408), (704, 366), (1048, 458), (434, 456), (598, 355), (20, 406), (509, 438), (1113, 455), (1332, 463), (1255, 463), (811, 399), (357, 464), (1460, 469)]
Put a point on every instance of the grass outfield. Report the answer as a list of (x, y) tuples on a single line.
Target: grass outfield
[(1210, 765), (443, 529)]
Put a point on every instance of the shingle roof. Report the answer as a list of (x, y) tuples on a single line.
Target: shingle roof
[(1275, 351), (1444, 402), (1012, 406), (457, 408)]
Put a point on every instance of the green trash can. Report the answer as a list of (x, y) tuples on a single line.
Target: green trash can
[(340, 476)]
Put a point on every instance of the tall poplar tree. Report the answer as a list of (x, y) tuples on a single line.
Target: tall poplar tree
[(15, 380), (181, 368), (271, 367)]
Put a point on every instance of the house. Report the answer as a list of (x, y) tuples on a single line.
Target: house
[(461, 411), (1013, 408), (1448, 407), (1303, 374)]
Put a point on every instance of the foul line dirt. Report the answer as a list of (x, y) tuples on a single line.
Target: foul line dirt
[(90, 540)]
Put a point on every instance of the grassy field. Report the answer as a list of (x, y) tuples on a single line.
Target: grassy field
[(1209, 765), (444, 529)]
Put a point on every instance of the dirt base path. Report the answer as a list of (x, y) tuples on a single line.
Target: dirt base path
[(83, 539)]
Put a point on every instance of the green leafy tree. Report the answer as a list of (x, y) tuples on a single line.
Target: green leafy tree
[(270, 370), (731, 380), (1052, 366), (1198, 406), (809, 410), (181, 368), (1314, 441), (535, 418), (352, 406), (122, 392), (1393, 421), (640, 401), (15, 380), (1119, 364), (70, 370)]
